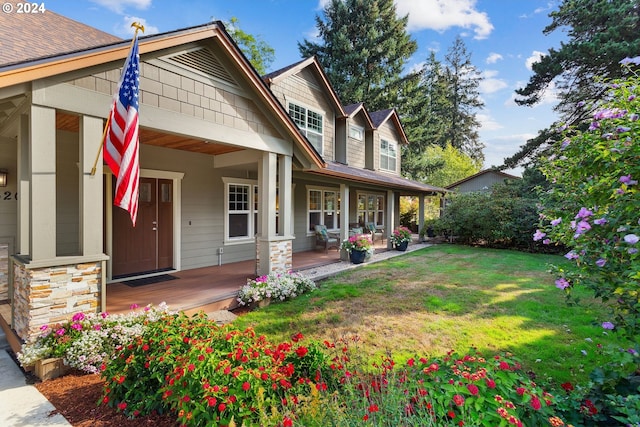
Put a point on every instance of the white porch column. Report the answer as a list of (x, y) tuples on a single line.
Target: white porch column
[(23, 187), (420, 212), (285, 196), (344, 211), (267, 203), (391, 217), (42, 157), (90, 186)]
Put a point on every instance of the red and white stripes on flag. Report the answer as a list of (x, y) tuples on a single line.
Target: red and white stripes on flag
[(121, 138)]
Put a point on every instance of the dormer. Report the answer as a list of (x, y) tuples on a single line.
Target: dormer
[(358, 137), (388, 137), (304, 91)]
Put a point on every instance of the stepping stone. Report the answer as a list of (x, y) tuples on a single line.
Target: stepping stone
[(222, 317)]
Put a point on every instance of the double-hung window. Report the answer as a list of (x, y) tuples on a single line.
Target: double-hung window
[(323, 208), (371, 209), (388, 155), (310, 123)]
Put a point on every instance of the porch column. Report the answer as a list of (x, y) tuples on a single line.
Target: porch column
[(90, 186), (391, 217), (42, 156), (273, 252), (23, 187), (284, 195), (344, 211), (420, 212)]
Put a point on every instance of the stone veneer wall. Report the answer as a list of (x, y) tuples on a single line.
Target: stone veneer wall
[(280, 254), (53, 294), (4, 272)]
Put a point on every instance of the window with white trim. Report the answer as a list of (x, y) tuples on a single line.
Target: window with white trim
[(356, 132), (310, 123), (370, 209), (239, 211), (388, 155), (323, 207)]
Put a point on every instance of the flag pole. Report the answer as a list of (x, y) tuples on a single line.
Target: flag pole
[(138, 27)]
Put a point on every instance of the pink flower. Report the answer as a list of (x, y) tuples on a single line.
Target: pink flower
[(61, 331), (134, 306), (458, 400), (78, 317), (473, 389)]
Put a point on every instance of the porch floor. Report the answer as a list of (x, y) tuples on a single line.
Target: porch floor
[(208, 288)]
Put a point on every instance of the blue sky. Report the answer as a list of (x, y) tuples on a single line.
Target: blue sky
[(503, 36)]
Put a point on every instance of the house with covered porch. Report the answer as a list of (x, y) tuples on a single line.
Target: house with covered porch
[(236, 169)]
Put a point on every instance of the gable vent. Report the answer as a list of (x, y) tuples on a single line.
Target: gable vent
[(204, 61)]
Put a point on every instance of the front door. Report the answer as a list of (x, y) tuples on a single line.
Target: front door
[(147, 247)]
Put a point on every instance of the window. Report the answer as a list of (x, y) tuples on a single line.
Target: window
[(356, 132), (310, 123), (323, 208), (387, 155), (370, 209), (239, 211)]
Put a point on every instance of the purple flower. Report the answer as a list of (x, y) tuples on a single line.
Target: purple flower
[(44, 327), (556, 222), (626, 179), (571, 255), (60, 331), (562, 283), (634, 117), (608, 325), (584, 213), (97, 327), (601, 262), (622, 129), (78, 317), (582, 227), (634, 60), (538, 235), (631, 239), (565, 144), (104, 314), (594, 125), (134, 306), (632, 251), (546, 242), (600, 221), (76, 326)]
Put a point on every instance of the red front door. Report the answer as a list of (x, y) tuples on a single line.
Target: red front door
[(148, 246)]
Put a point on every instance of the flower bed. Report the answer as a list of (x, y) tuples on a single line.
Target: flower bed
[(276, 286)]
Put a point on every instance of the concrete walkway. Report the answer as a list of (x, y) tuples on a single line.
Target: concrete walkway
[(22, 405)]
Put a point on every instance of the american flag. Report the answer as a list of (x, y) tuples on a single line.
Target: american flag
[(121, 139)]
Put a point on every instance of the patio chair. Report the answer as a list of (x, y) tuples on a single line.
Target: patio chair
[(326, 240), (375, 231)]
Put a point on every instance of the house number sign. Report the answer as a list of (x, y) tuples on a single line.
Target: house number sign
[(9, 195)]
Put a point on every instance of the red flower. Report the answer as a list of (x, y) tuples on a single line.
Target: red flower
[(365, 417), (473, 389), (122, 406), (211, 401), (491, 383), (504, 366), (451, 414), (191, 367), (297, 337), (411, 362), (535, 403), (458, 400), (373, 408), (287, 422), (301, 351), (246, 386), (567, 386), (222, 407), (520, 391)]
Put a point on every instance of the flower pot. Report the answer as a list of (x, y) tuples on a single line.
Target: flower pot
[(357, 257), (48, 369), (264, 302), (402, 246)]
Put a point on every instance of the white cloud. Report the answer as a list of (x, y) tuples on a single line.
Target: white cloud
[(490, 84), (125, 30), (535, 57), (441, 15), (493, 58), (118, 6), (488, 123)]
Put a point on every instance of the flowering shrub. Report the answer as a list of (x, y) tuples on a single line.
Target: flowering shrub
[(400, 235), (210, 375), (278, 286), (593, 206), (87, 340), (358, 242)]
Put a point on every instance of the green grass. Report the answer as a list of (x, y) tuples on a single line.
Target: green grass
[(447, 297)]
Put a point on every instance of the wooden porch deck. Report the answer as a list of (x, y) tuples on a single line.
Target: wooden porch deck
[(208, 288)]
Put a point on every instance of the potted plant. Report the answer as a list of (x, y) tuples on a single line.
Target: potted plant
[(400, 238), (358, 246)]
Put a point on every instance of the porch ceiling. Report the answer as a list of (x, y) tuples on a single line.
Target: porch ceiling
[(71, 123)]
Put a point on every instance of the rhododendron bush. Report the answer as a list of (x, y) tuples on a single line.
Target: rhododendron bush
[(593, 207)]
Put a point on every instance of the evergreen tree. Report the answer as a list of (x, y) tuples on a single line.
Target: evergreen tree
[(600, 34), (364, 49), (463, 82)]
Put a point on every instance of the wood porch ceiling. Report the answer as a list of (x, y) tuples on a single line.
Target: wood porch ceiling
[(71, 123)]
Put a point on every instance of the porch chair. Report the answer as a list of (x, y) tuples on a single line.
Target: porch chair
[(326, 240), (375, 231)]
